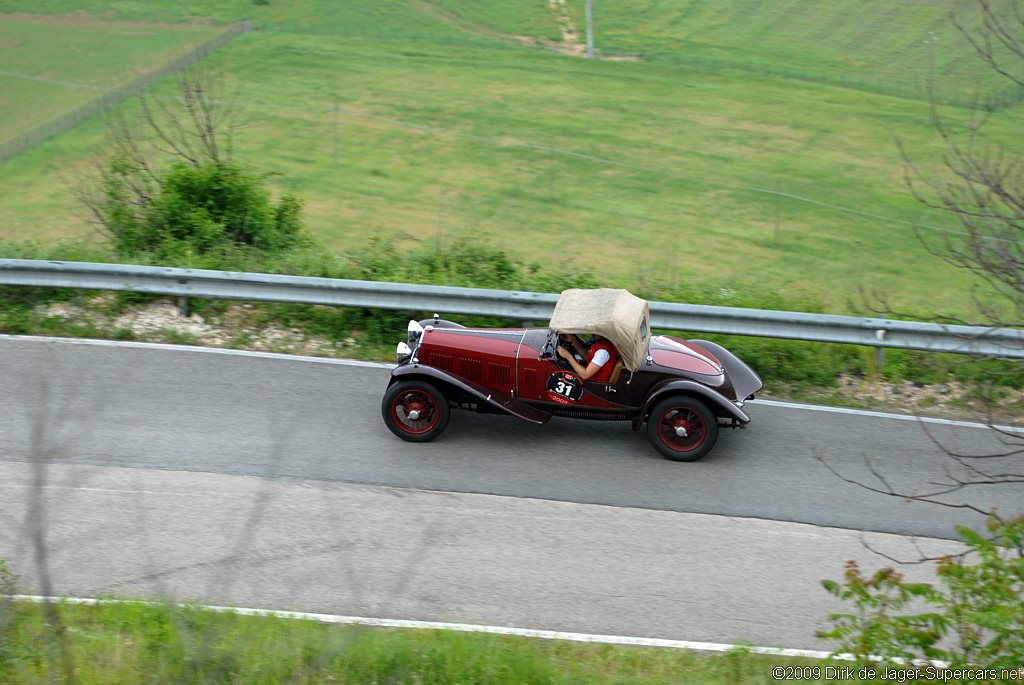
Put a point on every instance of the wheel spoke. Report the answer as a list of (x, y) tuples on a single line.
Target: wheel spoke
[(681, 429), (415, 411)]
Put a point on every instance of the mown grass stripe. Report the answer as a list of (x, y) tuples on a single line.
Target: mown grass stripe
[(525, 145)]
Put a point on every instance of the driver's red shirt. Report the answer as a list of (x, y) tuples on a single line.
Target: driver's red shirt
[(605, 372)]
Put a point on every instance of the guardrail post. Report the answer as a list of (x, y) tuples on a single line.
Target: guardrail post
[(879, 350), (183, 306)]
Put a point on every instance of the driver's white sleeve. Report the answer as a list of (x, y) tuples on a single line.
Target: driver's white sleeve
[(601, 357)]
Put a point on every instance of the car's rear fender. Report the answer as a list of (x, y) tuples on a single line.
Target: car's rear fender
[(743, 379), (492, 399), (719, 405)]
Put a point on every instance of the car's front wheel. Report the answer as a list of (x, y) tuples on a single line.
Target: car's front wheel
[(682, 428), (415, 410)]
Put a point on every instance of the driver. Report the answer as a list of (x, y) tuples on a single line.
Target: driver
[(601, 358)]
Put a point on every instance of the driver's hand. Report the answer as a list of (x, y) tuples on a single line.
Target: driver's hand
[(564, 353)]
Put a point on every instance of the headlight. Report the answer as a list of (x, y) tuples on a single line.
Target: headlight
[(415, 332), (404, 352)]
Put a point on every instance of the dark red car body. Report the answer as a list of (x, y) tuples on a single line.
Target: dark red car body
[(684, 389)]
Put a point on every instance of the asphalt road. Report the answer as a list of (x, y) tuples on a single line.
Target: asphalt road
[(178, 409), (271, 482)]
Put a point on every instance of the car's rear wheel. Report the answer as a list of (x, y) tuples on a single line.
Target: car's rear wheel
[(682, 428), (415, 410)]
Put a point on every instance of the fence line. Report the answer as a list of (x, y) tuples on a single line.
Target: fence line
[(512, 304), (112, 97)]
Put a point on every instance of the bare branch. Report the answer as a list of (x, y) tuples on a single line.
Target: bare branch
[(885, 488), (922, 557), (995, 30)]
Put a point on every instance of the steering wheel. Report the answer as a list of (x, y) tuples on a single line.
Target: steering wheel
[(572, 350)]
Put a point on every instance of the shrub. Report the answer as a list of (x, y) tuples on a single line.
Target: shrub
[(976, 617), (216, 205)]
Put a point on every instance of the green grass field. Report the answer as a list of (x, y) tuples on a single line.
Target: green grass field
[(94, 54), (693, 148), (876, 45)]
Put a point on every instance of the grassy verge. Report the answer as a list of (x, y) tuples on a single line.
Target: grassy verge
[(135, 642)]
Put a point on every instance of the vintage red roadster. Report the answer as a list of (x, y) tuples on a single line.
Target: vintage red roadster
[(683, 389)]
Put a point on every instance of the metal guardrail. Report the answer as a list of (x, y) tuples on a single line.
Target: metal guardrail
[(513, 304)]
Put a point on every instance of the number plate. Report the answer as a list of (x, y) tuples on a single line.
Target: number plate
[(565, 387)]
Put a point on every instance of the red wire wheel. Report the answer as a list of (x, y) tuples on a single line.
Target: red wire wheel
[(415, 411), (682, 428)]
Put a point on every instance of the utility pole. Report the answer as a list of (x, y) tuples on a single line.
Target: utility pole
[(590, 29)]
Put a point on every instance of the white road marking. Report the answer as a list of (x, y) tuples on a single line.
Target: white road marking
[(883, 415), (471, 628), (194, 348), (381, 365)]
